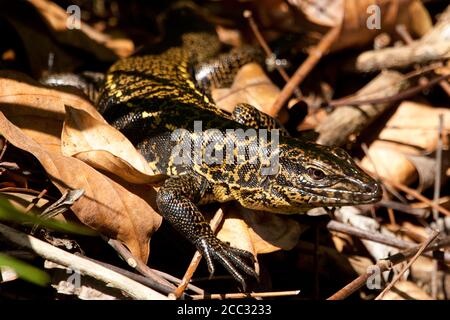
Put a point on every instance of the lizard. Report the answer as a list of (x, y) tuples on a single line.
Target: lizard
[(149, 97)]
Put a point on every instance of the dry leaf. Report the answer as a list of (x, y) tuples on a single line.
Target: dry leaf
[(103, 147), (103, 46), (354, 15), (412, 126), (406, 290), (37, 110), (259, 232), (321, 12), (251, 85), (106, 206)]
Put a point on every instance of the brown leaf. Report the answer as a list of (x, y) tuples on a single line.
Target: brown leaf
[(251, 85), (37, 110), (321, 12), (406, 290), (106, 206), (353, 16), (259, 232), (103, 147), (103, 46), (412, 126)]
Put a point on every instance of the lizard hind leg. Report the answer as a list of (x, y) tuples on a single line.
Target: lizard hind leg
[(176, 201)]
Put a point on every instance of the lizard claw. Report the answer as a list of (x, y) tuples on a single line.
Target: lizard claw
[(231, 258)]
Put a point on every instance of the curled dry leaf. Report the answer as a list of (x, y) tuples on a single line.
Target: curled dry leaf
[(413, 126), (259, 232), (103, 46), (103, 147), (106, 206), (37, 110), (356, 17), (251, 85)]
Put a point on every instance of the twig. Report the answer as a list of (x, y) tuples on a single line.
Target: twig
[(246, 295), (313, 58), (24, 190), (269, 53), (412, 74), (422, 213), (416, 195), (408, 265), (177, 281), (381, 266), (438, 170), (436, 195), (393, 98), (403, 32), (385, 239), (84, 266), (134, 263), (4, 147), (215, 222), (35, 200), (136, 277)]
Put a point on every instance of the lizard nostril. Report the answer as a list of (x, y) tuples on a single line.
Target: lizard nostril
[(372, 188)]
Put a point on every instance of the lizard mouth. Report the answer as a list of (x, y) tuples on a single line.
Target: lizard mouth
[(337, 197)]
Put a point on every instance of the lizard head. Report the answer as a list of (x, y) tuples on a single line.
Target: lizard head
[(311, 175)]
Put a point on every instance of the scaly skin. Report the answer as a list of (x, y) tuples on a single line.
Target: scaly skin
[(148, 97)]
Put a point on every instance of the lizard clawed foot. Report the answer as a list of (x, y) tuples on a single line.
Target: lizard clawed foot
[(234, 260)]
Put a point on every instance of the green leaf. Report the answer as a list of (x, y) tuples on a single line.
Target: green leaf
[(9, 213), (25, 271)]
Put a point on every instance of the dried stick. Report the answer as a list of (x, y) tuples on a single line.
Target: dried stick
[(432, 46), (416, 195), (33, 203), (403, 32), (436, 196), (246, 295), (408, 93), (385, 239), (145, 270), (134, 263), (313, 58), (347, 120), (269, 53), (408, 265), (381, 266), (393, 57), (215, 222), (84, 266), (133, 276)]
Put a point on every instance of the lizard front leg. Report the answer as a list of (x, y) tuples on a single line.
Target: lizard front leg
[(176, 200), (249, 116)]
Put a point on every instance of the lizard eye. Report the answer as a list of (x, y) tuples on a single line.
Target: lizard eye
[(315, 173)]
